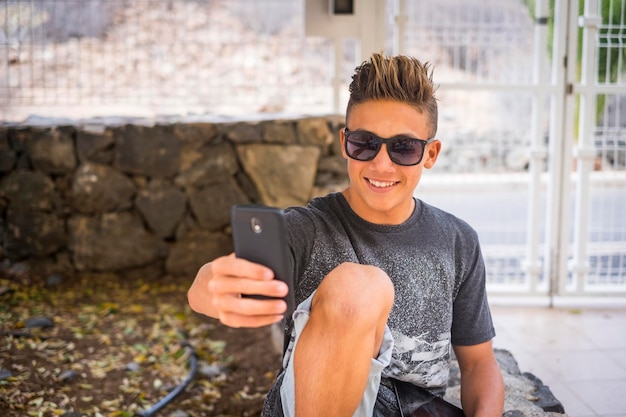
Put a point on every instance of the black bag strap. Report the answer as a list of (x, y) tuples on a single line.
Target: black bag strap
[(415, 401)]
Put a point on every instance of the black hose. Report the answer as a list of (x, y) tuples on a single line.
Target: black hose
[(193, 365)]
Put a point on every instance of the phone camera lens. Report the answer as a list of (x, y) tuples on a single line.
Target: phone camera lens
[(255, 225)]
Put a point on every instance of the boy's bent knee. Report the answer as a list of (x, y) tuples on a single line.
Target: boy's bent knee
[(356, 291)]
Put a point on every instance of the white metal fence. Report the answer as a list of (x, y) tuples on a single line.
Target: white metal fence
[(521, 100), (533, 121)]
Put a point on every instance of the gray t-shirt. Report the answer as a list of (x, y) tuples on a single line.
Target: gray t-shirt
[(436, 266)]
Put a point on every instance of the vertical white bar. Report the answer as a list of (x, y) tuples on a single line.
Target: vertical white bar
[(537, 148), (585, 151), (401, 19), (338, 49), (561, 128)]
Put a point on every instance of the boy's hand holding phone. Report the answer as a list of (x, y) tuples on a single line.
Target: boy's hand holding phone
[(260, 236), (220, 287), (242, 292)]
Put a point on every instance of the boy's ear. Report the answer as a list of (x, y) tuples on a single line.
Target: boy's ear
[(432, 152), (342, 139)]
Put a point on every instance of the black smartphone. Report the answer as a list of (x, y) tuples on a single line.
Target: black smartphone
[(260, 236)]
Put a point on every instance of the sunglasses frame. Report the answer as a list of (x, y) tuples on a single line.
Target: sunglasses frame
[(379, 145)]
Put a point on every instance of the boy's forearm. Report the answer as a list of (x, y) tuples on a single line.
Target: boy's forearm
[(482, 391)]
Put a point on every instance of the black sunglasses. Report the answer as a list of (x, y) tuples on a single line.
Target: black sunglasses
[(402, 150)]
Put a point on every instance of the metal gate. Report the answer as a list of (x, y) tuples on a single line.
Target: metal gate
[(533, 102)]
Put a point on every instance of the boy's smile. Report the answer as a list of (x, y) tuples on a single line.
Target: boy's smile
[(381, 191)]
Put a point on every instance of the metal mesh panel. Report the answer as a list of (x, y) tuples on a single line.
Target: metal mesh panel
[(483, 130), (605, 243), (153, 57), (607, 232), (475, 40)]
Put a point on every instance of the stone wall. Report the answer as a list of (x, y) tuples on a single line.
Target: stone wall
[(152, 198)]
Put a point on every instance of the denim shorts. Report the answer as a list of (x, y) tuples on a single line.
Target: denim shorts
[(287, 388)]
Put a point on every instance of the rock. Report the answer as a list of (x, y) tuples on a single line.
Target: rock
[(29, 190), (198, 141), (277, 132), (5, 373), (54, 280), (8, 158), (213, 370), (94, 143), (52, 151), (148, 151), (112, 242), (18, 137), (32, 233), (179, 413), (99, 188), (544, 397), (196, 133), (68, 375), (39, 322), (19, 269), (525, 395), (243, 133), (162, 205), (72, 414), (197, 248), (211, 205), (335, 165), (315, 132), (507, 362), (283, 175), (216, 165), (132, 367)]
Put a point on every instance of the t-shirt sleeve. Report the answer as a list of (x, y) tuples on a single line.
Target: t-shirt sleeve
[(471, 320), (300, 230)]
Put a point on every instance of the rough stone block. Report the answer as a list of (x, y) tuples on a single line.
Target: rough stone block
[(148, 151), (217, 164), (243, 133), (315, 132), (283, 175), (279, 132), (52, 151), (94, 143), (211, 205), (100, 188), (112, 242), (197, 248), (29, 190), (30, 233), (162, 205)]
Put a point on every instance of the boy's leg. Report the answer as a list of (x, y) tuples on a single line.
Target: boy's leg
[(344, 332)]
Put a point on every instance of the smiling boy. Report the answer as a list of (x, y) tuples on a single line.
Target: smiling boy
[(386, 284)]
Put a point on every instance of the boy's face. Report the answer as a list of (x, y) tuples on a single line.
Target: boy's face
[(381, 191)]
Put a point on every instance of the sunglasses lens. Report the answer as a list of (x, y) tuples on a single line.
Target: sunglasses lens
[(405, 151), (362, 146)]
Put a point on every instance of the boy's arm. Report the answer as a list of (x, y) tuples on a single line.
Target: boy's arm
[(482, 388)]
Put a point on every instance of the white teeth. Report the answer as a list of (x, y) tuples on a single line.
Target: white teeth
[(381, 184)]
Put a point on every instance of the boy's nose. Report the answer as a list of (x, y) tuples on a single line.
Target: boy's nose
[(382, 160)]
